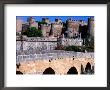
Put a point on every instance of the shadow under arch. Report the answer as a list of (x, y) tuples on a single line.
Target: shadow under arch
[(72, 70), (49, 71), (18, 72), (88, 67)]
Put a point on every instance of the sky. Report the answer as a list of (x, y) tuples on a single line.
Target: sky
[(52, 18)]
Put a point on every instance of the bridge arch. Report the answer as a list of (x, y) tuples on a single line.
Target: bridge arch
[(49, 71), (72, 70), (88, 67), (19, 72)]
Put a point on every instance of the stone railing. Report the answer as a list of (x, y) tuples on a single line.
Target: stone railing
[(51, 56)]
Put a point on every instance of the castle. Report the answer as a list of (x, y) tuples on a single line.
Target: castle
[(70, 28), (37, 55)]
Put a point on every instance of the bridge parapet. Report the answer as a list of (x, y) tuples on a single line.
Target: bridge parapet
[(52, 56)]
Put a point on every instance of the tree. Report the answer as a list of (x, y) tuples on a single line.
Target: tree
[(80, 48), (33, 32), (74, 48), (42, 23)]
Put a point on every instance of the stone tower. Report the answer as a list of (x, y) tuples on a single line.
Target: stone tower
[(72, 28), (46, 20), (32, 22), (57, 28), (19, 23), (45, 29), (91, 27)]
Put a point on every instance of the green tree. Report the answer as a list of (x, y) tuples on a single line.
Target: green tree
[(33, 32), (74, 48), (42, 23)]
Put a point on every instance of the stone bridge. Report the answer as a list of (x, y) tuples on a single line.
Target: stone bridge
[(59, 66)]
